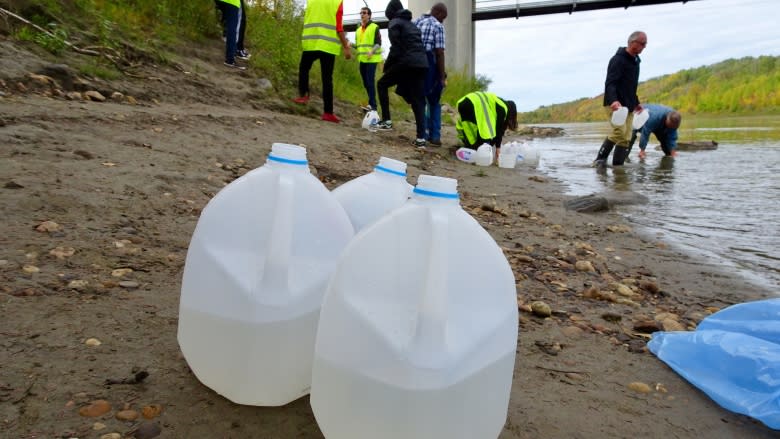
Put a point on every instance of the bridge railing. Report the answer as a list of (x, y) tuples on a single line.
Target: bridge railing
[(494, 9)]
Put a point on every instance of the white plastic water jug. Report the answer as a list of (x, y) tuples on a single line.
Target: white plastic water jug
[(370, 196), (527, 155), (467, 155), (414, 342), (256, 271), (640, 118), (507, 156), (619, 116), (484, 155)]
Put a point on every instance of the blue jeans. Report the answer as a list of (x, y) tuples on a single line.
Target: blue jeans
[(231, 17), (433, 90), (368, 73)]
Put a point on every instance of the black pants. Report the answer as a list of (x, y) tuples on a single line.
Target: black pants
[(410, 85), (327, 62)]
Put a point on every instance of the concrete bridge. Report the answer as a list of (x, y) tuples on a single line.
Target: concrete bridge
[(459, 25)]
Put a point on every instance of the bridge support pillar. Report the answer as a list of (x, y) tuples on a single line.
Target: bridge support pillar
[(459, 29)]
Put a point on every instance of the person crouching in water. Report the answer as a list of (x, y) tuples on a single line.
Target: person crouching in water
[(483, 117)]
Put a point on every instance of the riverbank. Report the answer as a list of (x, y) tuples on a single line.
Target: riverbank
[(100, 200)]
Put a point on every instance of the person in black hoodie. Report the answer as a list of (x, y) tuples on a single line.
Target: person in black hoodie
[(405, 67), (620, 91)]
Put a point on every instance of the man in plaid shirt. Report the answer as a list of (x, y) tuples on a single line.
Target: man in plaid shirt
[(432, 30)]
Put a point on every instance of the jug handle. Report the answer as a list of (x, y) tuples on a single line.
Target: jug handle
[(277, 259), (429, 345)]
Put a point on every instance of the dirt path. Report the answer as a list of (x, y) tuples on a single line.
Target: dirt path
[(99, 200)]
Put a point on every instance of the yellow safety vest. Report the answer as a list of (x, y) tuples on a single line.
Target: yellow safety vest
[(485, 113), (365, 42), (319, 27), (236, 3)]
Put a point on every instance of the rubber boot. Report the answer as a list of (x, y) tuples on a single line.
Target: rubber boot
[(619, 157), (631, 145), (606, 148)]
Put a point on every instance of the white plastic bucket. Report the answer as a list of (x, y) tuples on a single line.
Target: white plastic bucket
[(256, 271), (413, 341), (368, 197)]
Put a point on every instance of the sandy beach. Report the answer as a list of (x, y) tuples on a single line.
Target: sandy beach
[(100, 199)]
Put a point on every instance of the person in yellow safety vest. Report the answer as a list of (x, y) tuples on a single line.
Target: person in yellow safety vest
[(483, 117), (231, 19), (322, 39), (368, 42)]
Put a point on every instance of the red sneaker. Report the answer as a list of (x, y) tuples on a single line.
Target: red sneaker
[(330, 117), (301, 100)]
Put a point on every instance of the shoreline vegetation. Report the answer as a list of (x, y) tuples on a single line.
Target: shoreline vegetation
[(103, 181)]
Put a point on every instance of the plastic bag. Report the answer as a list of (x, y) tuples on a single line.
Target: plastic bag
[(371, 118), (733, 357), (759, 319)]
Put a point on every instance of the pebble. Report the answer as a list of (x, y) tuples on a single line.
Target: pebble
[(147, 430), (128, 284), (649, 286), (30, 269), (640, 387), (119, 272), (584, 266), (151, 411), (670, 324), (95, 408), (92, 342), (111, 436), (97, 426), (647, 326), (541, 309), (127, 415)]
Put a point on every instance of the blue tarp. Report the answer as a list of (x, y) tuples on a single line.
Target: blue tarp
[(733, 357)]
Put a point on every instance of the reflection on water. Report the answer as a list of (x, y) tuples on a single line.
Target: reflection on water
[(719, 204)]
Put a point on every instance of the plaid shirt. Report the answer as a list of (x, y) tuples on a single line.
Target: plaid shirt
[(432, 32)]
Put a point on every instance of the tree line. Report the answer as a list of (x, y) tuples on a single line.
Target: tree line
[(735, 86)]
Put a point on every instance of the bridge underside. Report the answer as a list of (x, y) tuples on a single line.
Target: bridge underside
[(525, 9), (558, 7), (459, 25)]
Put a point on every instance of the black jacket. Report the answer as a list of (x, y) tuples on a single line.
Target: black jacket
[(406, 47), (622, 79)]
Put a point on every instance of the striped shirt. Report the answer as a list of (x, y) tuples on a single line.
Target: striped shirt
[(432, 32)]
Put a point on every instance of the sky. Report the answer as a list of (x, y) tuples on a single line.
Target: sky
[(558, 58)]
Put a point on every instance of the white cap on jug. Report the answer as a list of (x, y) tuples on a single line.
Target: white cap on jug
[(392, 166), (440, 187), (287, 153)]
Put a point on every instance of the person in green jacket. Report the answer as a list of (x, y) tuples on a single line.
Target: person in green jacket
[(483, 117), (368, 42), (322, 39)]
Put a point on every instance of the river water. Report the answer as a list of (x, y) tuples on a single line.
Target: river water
[(720, 206)]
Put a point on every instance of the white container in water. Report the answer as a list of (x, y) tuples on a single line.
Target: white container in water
[(619, 116), (484, 155), (418, 329), (640, 118), (527, 155), (370, 196), (256, 271), (507, 156)]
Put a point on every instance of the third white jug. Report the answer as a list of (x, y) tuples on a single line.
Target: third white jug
[(370, 196), (414, 342)]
